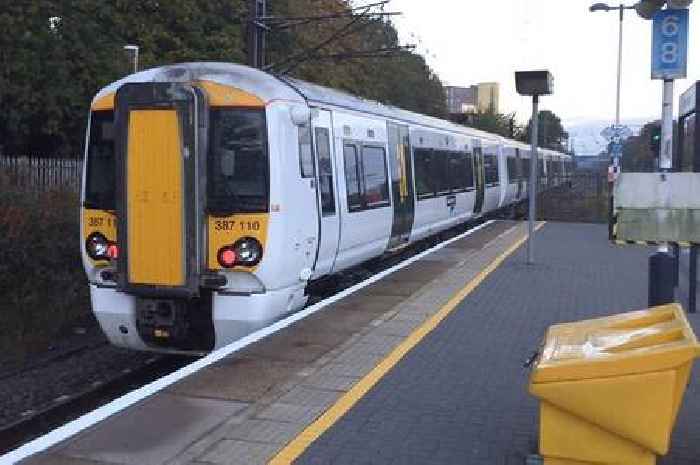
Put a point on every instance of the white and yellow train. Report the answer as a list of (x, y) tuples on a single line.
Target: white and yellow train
[(214, 193)]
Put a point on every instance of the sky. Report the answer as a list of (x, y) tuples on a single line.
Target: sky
[(471, 41)]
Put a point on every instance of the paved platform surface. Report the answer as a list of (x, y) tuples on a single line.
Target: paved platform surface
[(460, 397), (247, 407)]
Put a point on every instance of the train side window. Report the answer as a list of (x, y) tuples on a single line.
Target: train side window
[(376, 186), (306, 156), (469, 163), (352, 177), (440, 173), (457, 172), (425, 183), (491, 169), (325, 171)]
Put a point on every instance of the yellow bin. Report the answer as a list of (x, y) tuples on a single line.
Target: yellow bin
[(610, 388)]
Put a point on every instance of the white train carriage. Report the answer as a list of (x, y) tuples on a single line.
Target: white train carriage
[(214, 193)]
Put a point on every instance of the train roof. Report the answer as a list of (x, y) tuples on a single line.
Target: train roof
[(317, 94), (270, 87)]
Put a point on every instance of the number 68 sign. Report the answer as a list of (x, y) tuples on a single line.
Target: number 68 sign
[(669, 50)]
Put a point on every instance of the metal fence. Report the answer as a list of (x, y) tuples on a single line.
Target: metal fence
[(582, 197), (38, 173)]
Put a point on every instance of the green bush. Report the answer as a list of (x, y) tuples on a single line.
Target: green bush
[(42, 284)]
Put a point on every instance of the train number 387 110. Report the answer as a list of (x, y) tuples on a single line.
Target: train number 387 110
[(231, 225)]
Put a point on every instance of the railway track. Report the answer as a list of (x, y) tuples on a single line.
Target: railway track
[(56, 391)]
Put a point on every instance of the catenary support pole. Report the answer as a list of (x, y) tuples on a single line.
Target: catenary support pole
[(532, 194), (255, 34)]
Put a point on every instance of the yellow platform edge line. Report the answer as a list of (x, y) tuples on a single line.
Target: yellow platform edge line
[(299, 444)]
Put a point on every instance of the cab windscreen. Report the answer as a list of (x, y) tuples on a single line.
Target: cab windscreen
[(237, 171), (101, 166)]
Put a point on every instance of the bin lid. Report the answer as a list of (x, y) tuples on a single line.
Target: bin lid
[(643, 341)]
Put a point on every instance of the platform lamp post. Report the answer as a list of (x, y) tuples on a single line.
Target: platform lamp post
[(603, 7), (133, 50), (533, 84)]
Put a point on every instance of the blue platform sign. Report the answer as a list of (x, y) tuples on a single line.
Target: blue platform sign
[(616, 149), (669, 50)]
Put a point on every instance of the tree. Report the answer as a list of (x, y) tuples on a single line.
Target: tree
[(636, 151), (56, 54), (490, 121), (550, 132), (392, 79)]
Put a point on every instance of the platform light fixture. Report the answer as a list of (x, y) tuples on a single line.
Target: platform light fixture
[(134, 51), (600, 7), (621, 16)]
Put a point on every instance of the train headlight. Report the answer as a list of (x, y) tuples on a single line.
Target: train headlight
[(97, 246), (248, 251), (244, 252)]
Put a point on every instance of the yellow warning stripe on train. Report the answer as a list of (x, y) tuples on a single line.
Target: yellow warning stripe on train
[(101, 221), (219, 95), (106, 102)]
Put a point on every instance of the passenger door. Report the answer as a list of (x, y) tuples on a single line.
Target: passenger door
[(518, 173), (401, 184), (329, 234), (304, 221), (479, 179)]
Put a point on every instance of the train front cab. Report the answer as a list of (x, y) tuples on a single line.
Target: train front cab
[(176, 234)]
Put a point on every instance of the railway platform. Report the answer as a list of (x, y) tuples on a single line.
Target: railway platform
[(422, 366)]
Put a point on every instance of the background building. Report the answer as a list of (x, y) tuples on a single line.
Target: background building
[(461, 99), (479, 97)]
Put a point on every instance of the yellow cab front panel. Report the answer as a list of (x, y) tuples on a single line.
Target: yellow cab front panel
[(154, 198)]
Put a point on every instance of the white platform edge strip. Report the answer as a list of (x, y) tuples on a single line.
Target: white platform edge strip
[(117, 405)]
